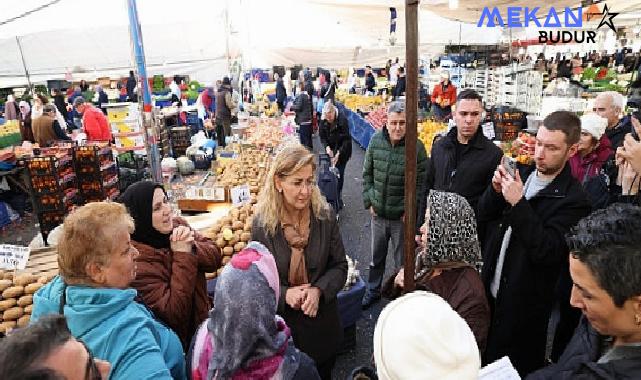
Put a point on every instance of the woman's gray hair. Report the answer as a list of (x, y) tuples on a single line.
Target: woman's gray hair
[(396, 106)]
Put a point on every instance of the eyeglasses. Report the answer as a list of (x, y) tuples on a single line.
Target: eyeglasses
[(91, 369), (299, 185)]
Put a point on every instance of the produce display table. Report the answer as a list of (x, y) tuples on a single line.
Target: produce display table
[(359, 128)]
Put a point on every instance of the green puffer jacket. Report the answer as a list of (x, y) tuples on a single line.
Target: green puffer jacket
[(384, 175)]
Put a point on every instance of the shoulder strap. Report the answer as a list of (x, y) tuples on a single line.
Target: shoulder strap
[(63, 299), (587, 172)]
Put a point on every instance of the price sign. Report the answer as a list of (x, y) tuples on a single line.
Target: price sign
[(488, 130), (240, 195), (13, 257)]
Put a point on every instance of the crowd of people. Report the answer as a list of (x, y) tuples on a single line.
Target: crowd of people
[(500, 248), (521, 219)]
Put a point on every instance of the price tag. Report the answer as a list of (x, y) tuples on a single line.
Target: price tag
[(13, 257), (488, 131), (240, 195)]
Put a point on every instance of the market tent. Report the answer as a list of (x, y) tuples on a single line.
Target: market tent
[(196, 37)]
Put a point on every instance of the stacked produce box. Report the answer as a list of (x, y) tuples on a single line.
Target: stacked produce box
[(164, 145), (125, 122), (97, 173), (508, 122), (54, 192), (16, 302), (180, 140)]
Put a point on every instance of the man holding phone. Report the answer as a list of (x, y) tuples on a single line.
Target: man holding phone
[(526, 251)]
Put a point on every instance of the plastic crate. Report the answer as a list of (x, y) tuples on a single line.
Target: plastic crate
[(57, 201), (91, 153), (43, 166), (131, 160)]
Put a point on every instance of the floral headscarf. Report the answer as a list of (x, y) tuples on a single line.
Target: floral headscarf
[(244, 338), (452, 235)]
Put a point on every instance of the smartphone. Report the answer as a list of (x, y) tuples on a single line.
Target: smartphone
[(509, 164)]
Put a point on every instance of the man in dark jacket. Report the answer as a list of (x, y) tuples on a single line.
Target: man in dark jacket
[(399, 90), (131, 86), (605, 263), (281, 93), (609, 105), (370, 81), (384, 194), (224, 107), (464, 161), (334, 134), (303, 107), (103, 99), (526, 250)]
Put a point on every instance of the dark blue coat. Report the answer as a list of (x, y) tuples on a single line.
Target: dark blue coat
[(579, 361)]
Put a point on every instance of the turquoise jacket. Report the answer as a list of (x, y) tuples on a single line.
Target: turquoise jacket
[(117, 329)]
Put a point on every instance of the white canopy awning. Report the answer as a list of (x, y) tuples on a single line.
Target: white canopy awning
[(90, 38)]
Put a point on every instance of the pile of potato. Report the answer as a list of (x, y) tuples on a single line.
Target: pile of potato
[(231, 233), (250, 168), (16, 301), (264, 132)]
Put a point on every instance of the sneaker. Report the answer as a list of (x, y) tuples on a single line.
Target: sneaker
[(369, 299)]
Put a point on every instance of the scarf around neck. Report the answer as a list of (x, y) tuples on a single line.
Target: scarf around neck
[(138, 198), (297, 235)]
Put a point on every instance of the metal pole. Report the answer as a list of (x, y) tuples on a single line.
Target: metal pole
[(24, 65), (138, 55), (411, 108), (227, 32)]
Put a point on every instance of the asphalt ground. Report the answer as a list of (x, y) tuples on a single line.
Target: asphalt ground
[(355, 226)]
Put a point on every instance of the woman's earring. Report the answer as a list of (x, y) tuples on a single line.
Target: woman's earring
[(280, 191), (637, 319)]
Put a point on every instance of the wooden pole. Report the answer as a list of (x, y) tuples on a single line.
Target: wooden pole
[(411, 108)]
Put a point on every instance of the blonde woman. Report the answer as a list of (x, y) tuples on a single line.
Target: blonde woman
[(296, 224)]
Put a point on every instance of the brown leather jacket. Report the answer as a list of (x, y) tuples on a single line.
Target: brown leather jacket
[(463, 289), (173, 284)]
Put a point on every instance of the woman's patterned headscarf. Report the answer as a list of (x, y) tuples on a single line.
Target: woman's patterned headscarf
[(452, 235)]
